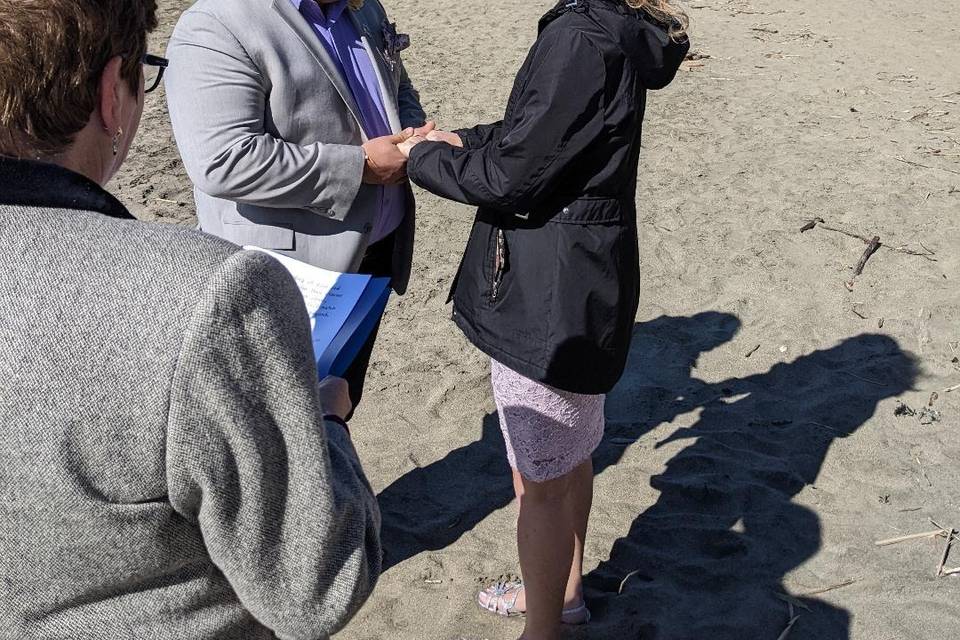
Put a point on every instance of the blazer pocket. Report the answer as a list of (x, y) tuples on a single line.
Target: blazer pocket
[(258, 235)]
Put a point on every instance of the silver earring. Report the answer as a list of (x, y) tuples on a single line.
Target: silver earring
[(116, 141)]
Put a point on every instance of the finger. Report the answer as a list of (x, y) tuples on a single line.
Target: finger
[(403, 136), (427, 128)]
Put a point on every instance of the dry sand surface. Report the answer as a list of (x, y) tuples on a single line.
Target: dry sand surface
[(752, 447)]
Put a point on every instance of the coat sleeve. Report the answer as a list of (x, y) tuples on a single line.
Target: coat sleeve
[(217, 98), (408, 102), (279, 496), (480, 135), (559, 114)]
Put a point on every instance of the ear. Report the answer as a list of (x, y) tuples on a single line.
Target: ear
[(110, 96)]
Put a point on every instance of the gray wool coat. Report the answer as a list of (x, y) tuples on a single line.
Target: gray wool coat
[(165, 470)]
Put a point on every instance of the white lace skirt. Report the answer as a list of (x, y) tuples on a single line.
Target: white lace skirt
[(548, 432)]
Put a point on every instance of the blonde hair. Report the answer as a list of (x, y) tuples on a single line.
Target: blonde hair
[(664, 11)]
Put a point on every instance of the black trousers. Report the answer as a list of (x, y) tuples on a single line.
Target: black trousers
[(377, 262)]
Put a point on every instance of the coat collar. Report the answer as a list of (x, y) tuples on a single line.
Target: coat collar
[(28, 183)]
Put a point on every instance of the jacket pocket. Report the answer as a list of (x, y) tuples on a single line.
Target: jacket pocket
[(499, 263), (590, 211)]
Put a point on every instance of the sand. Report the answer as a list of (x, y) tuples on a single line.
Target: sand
[(752, 447)]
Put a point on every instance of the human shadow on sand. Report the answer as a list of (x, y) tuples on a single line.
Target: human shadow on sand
[(430, 507), (708, 558)]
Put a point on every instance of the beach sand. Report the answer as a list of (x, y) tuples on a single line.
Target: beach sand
[(753, 447)]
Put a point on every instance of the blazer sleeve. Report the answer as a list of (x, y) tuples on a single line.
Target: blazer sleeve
[(559, 114), (217, 98), (279, 496)]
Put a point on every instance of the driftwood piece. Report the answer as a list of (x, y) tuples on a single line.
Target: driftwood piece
[(871, 249), (820, 223), (913, 536), (946, 553)]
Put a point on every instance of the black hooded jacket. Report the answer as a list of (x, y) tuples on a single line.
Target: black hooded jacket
[(549, 283)]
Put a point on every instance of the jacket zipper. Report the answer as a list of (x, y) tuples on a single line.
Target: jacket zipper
[(499, 263)]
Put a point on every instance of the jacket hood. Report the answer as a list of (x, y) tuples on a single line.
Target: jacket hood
[(642, 39)]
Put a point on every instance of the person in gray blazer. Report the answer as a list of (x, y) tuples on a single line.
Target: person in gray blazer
[(170, 466), (287, 114)]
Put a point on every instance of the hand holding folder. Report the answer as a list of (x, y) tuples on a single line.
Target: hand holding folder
[(343, 310)]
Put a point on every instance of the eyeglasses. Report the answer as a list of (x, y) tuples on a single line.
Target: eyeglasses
[(154, 66)]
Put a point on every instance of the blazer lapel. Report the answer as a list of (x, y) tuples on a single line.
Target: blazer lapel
[(310, 40), (387, 91)]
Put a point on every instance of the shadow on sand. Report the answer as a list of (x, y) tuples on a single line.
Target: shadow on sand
[(706, 560)]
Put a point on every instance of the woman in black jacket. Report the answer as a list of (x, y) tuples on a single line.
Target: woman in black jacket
[(549, 282)]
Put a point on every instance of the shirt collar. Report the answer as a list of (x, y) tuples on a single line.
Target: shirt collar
[(327, 16), (28, 183)]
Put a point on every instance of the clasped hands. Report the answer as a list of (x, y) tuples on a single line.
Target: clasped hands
[(386, 156)]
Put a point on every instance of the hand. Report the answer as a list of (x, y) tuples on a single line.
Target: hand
[(335, 397), (385, 164), (425, 129), (409, 144), (445, 136)]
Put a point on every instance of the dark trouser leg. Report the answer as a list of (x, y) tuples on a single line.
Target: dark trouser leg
[(377, 262)]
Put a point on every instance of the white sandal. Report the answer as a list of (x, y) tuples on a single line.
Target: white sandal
[(501, 599)]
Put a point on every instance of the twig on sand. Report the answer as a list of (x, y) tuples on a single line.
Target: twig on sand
[(751, 351), (824, 426), (950, 572), (873, 382), (872, 247), (786, 632), (951, 389), (943, 530), (793, 602), (913, 536), (925, 166), (946, 553), (820, 223), (816, 592)]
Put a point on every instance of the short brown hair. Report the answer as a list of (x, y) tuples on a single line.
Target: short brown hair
[(52, 56)]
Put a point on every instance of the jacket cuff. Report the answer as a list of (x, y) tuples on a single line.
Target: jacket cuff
[(468, 137), (345, 183)]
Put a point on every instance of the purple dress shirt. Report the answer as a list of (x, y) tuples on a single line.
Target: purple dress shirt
[(340, 37)]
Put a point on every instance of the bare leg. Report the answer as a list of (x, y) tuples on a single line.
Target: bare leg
[(551, 528), (579, 503)]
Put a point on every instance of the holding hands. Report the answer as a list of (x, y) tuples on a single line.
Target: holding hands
[(432, 135), (386, 156)]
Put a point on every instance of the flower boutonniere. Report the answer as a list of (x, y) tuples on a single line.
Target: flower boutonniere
[(393, 42)]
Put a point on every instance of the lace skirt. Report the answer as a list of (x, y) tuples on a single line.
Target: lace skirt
[(548, 432)]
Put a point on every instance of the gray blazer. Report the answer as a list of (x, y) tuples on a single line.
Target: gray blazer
[(165, 471), (270, 133)]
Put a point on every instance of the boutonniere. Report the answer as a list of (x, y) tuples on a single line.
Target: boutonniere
[(393, 42)]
